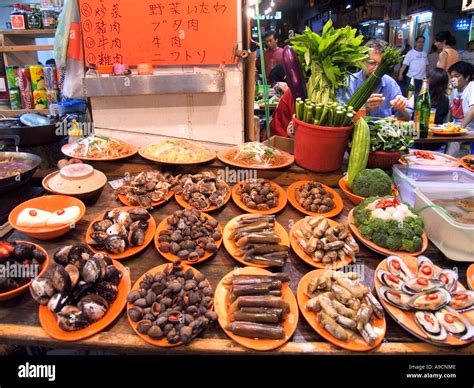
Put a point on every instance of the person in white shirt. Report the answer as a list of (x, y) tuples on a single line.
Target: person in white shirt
[(416, 60), (462, 99)]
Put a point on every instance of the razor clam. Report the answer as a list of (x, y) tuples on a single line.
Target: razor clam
[(455, 323), (432, 300), (397, 267), (449, 278), (420, 284), (390, 280), (430, 325), (395, 298), (462, 300), (425, 268)]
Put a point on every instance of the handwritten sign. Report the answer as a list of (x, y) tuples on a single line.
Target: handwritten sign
[(185, 32)]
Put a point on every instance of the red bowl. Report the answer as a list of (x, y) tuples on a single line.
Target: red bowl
[(383, 160)]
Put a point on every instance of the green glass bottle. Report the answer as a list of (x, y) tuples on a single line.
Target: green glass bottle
[(35, 20), (422, 111)]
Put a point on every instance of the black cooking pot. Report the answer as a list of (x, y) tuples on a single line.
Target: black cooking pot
[(28, 162), (30, 135)]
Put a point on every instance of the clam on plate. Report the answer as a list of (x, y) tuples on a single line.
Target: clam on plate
[(48, 319)]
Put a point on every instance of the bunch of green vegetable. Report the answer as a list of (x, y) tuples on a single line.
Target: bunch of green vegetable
[(395, 235), (331, 114), (389, 136), (372, 182), (326, 59), (390, 58)]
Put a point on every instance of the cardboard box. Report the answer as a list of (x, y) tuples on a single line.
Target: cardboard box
[(283, 143)]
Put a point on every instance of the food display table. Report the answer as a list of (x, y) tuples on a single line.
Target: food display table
[(19, 324)]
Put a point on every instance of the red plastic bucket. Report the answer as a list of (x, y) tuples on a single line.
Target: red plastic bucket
[(320, 149)]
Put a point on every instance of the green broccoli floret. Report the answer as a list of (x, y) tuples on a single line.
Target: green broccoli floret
[(393, 227), (394, 242), (407, 245), (366, 231), (377, 224), (407, 232), (417, 244), (361, 216), (379, 238), (416, 223), (372, 183)]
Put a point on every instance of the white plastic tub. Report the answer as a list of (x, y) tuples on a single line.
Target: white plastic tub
[(407, 179), (454, 239)]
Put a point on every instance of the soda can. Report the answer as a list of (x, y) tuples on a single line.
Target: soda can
[(12, 74), (37, 77), (39, 99), (15, 99), (52, 96), (27, 100), (50, 78), (23, 79)]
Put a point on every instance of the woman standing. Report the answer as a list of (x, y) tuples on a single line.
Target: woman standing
[(448, 55)]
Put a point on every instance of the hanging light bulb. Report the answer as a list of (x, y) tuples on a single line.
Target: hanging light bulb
[(272, 4)]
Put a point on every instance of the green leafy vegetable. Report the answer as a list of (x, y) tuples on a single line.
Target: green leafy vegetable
[(390, 136), (327, 57)]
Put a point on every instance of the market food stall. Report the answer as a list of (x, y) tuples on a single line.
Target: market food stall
[(148, 246)]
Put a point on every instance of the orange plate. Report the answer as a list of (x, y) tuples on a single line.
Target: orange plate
[(17, 291), (337, 200), (163, 225), (406, 319), (464, 164), (232, 248), (282, 199), (66, 149), (355, 199), (209, 157), (440, 132), (305, 257), (129, 251), (50, 326), (162, 342), (470, 276), (182, 202), (378, 248), (50, 203), (455, 162), (356, 345), (222, 156), (122, 198), (221, 304)]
